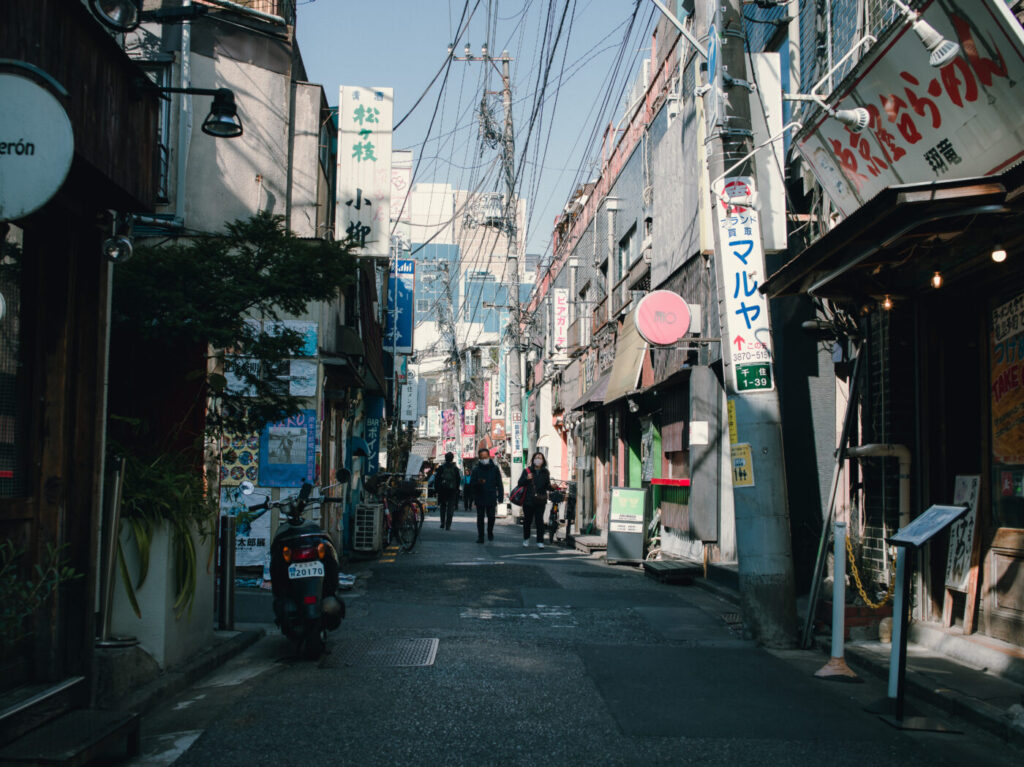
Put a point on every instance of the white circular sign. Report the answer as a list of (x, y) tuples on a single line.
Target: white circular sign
[(36, 146)]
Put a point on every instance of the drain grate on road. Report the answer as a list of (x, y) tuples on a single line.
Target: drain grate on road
[(394, 652)]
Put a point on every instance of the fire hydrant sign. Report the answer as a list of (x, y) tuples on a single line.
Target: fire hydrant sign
[(36, 146), (747, 349)]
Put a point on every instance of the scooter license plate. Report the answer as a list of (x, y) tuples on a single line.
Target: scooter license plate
[(306, 570)]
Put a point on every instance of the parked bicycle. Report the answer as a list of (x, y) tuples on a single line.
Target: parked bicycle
[(403, 511), (654, 538)]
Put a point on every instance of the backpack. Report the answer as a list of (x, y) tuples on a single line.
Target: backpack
[(447, 478)]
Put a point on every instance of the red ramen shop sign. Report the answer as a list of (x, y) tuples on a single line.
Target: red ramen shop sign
[(662, 318)]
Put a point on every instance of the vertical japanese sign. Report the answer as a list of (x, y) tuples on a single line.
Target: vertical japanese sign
[(497, 399), (288, 451), (401, 183), (469, 422), (372, 430), (517, 436), (398, 333), (561, 334), (488, 403), (741, 269), (964, 119), (408, 404), (364, 167), (433, 421)]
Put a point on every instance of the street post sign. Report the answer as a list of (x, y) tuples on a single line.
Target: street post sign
[(36, 146), (747, 332)]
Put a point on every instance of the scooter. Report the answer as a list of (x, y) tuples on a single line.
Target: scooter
[(304, 576)]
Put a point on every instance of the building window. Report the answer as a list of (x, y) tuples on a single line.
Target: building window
[(627, 252), (422, 305), (160, 73)]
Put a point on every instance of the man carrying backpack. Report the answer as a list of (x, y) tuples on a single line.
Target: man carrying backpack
[(446, 483)]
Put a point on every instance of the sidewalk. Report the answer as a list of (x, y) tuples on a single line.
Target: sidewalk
[(975, 678)]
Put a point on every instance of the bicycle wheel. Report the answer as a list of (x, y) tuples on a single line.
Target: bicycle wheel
[(408, 525)]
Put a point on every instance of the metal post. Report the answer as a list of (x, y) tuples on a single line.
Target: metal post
[(763, 542), (511, 223), (836, 668), (897, 658), (111, 531), (226, 575)]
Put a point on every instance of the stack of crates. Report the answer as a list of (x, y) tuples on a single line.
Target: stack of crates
[(367, 527)]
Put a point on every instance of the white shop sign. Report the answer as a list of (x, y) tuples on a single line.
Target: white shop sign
[(961, 120), (36, 146), (741, 269)]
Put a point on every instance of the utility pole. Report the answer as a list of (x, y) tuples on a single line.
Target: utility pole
[(763, 542), (508, 152)]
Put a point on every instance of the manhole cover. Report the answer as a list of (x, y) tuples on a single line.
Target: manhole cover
[(388, 652)]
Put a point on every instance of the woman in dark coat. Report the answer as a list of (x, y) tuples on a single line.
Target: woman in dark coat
[(537, 480)]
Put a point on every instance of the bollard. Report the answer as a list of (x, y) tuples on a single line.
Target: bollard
[(836, 669), (226, 579)]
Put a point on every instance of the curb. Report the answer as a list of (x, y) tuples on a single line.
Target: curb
[(721, 591), (149, 696), (922, 688)]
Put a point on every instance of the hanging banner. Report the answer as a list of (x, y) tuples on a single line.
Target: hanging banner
[(408, 403), (365, 117), (741, 269), (433, 421), (400, 314), (372, 432), (561, 319), (488, 404), (288, 451), (497, 398), (960, 120)]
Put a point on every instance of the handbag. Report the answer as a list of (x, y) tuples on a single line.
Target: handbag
[(518, 495)]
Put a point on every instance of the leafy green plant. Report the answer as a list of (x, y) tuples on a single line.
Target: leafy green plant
[(20, 597), (166, 490), (231, 292)]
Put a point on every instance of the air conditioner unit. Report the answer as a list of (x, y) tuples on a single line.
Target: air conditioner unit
[(367, 527)]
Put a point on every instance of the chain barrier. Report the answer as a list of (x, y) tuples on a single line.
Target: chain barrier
[(860, 586)]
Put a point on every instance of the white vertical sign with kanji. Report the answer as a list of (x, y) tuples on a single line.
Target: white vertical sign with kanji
[(364, 168), (561, 334), (747, 335)]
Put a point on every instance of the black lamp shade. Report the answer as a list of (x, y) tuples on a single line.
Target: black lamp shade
[(120, 15), (223, 122)]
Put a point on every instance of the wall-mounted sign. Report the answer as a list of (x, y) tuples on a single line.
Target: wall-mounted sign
[(400, 314), (961, 120), (741, 268), (408, 403), (36, 146), (288, 451), (561, 334), (364, 168), (662, 317)]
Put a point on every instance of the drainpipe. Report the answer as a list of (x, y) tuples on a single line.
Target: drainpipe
[(900, 452), (184, 119)]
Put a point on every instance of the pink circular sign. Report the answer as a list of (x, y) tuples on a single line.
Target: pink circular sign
[(662, 317)]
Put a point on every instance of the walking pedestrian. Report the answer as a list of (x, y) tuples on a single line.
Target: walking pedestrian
[(467, 490), (488, 492), (537, 480), (447, 479)]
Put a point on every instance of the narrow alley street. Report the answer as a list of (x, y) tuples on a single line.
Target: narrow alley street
[(542, 656)]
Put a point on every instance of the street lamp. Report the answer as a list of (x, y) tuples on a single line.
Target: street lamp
[(855, 119), (126, 15), (222, 121), (941, 51)]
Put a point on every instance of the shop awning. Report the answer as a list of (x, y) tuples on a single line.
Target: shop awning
[(594, 396), (872, 251), (630, 349)]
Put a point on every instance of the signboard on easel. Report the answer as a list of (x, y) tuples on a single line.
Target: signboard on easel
[(963, 554)]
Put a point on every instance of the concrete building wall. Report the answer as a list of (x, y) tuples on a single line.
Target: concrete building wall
[(308, 178)]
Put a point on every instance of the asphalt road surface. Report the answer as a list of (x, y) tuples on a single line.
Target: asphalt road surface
[(531, 657)]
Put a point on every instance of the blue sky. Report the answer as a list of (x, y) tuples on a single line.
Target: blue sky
[(403, 43)]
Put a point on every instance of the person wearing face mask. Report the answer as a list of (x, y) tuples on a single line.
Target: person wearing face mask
[(537, 480), (488, 491)]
